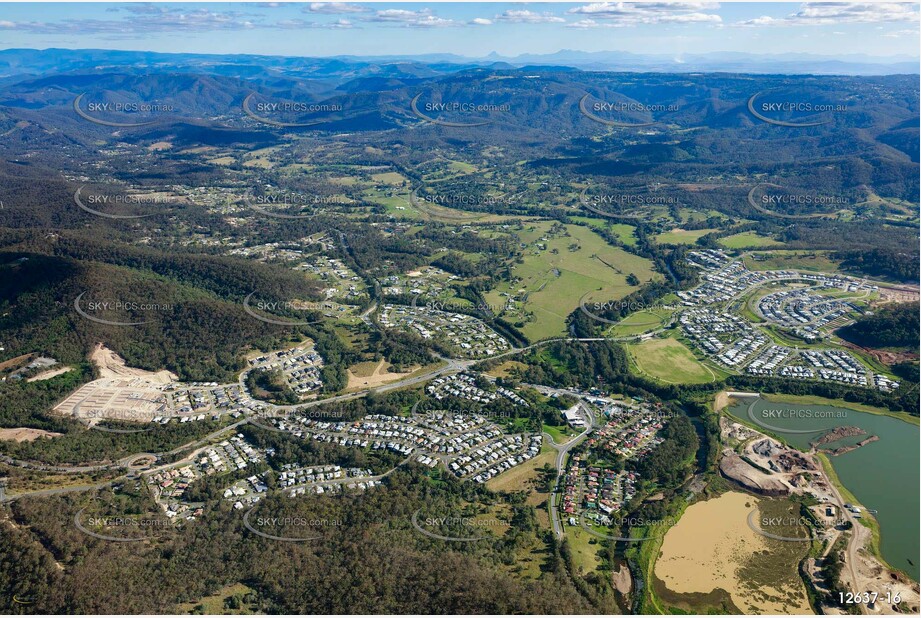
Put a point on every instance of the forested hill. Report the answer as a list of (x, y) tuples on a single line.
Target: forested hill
[(893, 327)]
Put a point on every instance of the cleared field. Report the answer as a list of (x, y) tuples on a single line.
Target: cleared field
[(259, 163), (373, 373), (505, 369), (681, 237), (523, 477), (584, 549), (344, 180), (389, 178), (461, 166), (748, 240), (47, 375), (623, 231), (25, 434), (641, 322), (561, 434), (670, 361), (220, 602), (558, 270), (797, 260)]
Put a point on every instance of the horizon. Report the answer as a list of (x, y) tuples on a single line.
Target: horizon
[(471, 30), (852, 57)]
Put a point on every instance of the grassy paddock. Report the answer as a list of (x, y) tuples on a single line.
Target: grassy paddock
[(670, 361)]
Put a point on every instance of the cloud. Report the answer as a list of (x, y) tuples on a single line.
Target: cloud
[(586, 24), (641, 13), (335, 8), (830, 13), (143, 19), (902, 33), (302, 24), (529, 17), (480, 21), (410, 19)]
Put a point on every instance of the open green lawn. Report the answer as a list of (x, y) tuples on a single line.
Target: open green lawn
[(640, 322), (560, 435), (556, 277), (748, 240), (681, 237), (670, 361)]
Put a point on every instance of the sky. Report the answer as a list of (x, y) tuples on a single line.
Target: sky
[(468, 29)]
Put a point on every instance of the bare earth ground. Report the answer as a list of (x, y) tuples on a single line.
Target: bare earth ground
[(886, 357), (898, 294), (621, 579), (121, 392), (708, 548), (377, 377), (47, 375), (13, 362), (25, 434), (111, 365)]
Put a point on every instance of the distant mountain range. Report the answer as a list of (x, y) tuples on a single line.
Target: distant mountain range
[(37, 62)]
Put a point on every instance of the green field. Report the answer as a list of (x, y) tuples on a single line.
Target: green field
[(640, 322), (670, 361), (560, 435), (220, 602), (814, 261), (389, 178), (681, 237), (748, 240), (584, 548), (623, 231), (556, 275)]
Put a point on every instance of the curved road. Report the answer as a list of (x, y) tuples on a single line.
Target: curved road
[(561, 451)]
